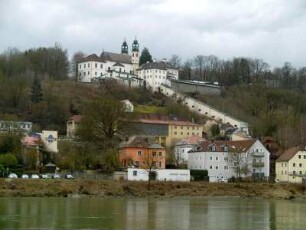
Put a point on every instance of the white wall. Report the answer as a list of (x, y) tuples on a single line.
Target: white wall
[(135, 174), (49, 138)]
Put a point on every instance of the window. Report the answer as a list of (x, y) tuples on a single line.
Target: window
[(88, 65), (217, 167), (160, 164), (161, 154), (96, 65), (210, 158), (154, 154), (226, 158), (139, 153), (293, 172), (226, 167), (301, 173), (84, 65), (210, 167), (134, 173), (175, 133), (293, 164), (101, 66), (300, 156), (300, 164), (181, 133), (304, 156), (217, 158)]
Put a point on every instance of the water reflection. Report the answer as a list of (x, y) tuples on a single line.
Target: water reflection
[(131, 213)]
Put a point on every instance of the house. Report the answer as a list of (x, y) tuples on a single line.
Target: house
[(167, 130), (183, 146), (142, 152), (72, 125), (110, 65), (157, 73), (226, 159), (291, 166), (135, 174)]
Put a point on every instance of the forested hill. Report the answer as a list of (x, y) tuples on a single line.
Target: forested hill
[(279, 113)]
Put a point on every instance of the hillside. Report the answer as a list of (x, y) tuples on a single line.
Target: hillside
[(270, 112)]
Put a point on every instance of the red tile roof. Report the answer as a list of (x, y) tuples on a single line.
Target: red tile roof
[(75, 118), (241, 146)]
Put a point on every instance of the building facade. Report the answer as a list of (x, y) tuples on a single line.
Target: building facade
[(134, 174), (110, 65), (226, 159), (182, 148), (156, 73), (16, 126), (291, 166), (142, 152)]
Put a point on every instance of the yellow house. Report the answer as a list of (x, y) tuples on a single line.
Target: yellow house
[(291, 166)]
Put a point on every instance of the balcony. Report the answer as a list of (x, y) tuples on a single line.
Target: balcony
[(258, 164), (258, 154)]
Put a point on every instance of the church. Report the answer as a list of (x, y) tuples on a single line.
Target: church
[(110, 65), (125, 68)]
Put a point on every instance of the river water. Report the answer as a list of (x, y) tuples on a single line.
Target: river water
[(168, 213)]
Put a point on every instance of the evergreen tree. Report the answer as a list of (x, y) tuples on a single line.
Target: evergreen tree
[(36, 91), (145, 56)]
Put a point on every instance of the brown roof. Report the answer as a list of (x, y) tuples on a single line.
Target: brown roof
[(75, 118), (92, 57), (140, 142), (192, 140), (122, 58), (241, 146), (288, 154)]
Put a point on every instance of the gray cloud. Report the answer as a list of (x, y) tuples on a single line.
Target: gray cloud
[(269, 29)]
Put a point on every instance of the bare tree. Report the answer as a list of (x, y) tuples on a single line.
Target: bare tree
[(76, 58), (175, 61), (239, 160)]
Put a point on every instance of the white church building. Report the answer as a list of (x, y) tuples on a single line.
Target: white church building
[(110, 65), (125, 68)]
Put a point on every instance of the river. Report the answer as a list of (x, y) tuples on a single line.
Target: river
[(167, 213)]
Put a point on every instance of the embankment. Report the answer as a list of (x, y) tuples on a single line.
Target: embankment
[(63, 188)]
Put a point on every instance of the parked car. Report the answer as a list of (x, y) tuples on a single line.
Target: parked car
[(34, 176), (69, 176), (25, 176), (12, 176), (45, 176), (56, 176)]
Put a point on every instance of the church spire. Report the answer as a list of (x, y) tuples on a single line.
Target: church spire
[(124, 47)]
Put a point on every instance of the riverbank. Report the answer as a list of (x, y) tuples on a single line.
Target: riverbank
[(100, 188)]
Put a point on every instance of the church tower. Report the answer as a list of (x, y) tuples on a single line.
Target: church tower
[(124, 48), (135, 55)]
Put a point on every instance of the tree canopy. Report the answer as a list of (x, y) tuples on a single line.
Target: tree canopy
[(145, 56), (105, 123)]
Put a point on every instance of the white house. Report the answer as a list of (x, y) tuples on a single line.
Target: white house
[(182, 147), (110, 65), (16, 126), (157, 73), (226, 159), (136, 174)]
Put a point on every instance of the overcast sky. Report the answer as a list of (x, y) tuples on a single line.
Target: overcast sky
[(272, 30)]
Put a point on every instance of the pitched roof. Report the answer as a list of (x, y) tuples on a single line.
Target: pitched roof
[(149, 118), (192, 140), (118, 64), (75, 118), (92, 57), (241, 145), (140, 142), (114, 57), (288, 154), (157, 65)]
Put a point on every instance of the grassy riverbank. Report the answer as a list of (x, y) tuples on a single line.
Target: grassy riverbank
[(57, 188)]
